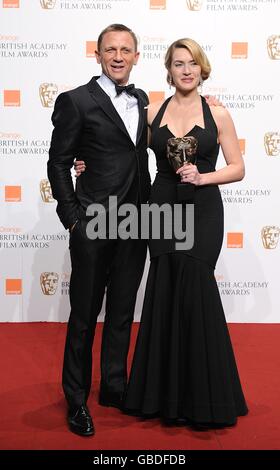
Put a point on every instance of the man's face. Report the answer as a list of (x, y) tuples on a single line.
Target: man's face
[(117, 55)]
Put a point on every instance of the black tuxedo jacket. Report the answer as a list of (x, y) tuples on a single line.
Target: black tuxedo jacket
[(88, 127)]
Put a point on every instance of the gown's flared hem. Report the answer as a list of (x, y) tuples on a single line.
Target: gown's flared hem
[(184, 366), (185, 419)]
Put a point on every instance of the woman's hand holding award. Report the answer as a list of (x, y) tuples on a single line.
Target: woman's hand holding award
[(182, 151)]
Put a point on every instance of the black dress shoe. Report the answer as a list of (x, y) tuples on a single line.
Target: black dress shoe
[(113, 399), (80, 422)]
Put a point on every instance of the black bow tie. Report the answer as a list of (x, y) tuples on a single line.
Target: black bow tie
[(130, 89)]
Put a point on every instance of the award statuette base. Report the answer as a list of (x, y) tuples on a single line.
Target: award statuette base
[(185, 192)]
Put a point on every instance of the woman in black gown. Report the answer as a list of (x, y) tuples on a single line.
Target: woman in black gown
[(183, 365)]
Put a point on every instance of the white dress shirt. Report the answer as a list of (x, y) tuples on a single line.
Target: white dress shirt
[(126, 105)]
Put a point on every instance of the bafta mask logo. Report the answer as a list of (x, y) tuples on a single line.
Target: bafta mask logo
[(49, 283), (270, 236), (48, 92), (48, 4), (272, 143), (273, 47), (46, 191), (181, 150), (194, 5)]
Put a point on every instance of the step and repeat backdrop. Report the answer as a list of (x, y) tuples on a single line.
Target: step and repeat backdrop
[(47, 47)]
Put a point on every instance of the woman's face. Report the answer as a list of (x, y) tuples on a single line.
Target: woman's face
[(185, 72)]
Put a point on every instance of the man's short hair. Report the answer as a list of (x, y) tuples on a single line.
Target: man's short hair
[(116, 27)]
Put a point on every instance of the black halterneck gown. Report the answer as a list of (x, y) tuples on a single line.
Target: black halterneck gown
[(183, 365)]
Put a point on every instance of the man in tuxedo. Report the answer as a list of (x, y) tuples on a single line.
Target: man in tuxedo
[(104, 124)]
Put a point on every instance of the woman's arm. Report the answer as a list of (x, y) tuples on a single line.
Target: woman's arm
[(234, 170)]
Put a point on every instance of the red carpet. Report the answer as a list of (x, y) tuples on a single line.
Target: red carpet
[(32, 407)]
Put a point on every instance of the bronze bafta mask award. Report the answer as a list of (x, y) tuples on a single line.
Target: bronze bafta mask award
[(182, 151)]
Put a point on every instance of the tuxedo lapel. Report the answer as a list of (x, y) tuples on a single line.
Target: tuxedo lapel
[(103, 100), (142, 117)]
